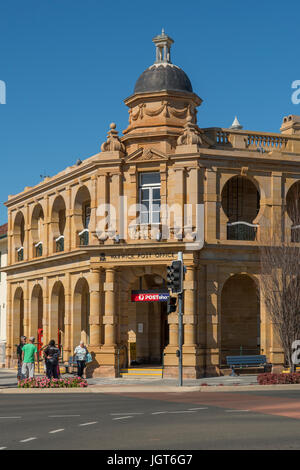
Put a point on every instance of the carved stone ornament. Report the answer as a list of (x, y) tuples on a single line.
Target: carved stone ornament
[(191, 135), (113, 143), (146, 154), (165, 109)]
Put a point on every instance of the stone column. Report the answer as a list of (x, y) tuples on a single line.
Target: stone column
[(276, 210), (212, 318), (173, 329), (68, 227), (46, 311), (189, 317), (11, 253), (94, 205), (27, 234), (179, 200), (109, 318), (47, 229), (68, 347), (95, 320), (210, 202), (9, 326), (27, 309)]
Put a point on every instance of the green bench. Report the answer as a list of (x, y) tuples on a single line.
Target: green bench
[(239, 362)]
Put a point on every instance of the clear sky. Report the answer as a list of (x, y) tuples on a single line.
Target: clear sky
[(68, 65)]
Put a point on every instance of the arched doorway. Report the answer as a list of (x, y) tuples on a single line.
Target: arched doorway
[(36, 321), (81, 312), (18, 317), (148, 330), (240, 317), (57, 318)]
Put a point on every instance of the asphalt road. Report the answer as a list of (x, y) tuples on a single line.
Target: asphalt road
[(166, 421)]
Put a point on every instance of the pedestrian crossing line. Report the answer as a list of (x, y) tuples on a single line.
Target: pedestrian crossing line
[(56, 430), (29, 439), (88, 424)]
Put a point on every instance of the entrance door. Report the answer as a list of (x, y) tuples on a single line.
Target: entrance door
[(149, 333)]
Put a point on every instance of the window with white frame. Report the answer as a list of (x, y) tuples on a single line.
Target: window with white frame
[(149, 197)]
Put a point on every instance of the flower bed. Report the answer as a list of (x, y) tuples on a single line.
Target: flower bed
[(44, 382), (276, 379)]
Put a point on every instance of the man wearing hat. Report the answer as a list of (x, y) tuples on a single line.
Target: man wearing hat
[(29, 354)]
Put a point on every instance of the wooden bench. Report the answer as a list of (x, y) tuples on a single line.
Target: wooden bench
[(238, 362), (71, 365)]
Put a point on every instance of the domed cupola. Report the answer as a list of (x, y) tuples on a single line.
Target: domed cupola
[(162, 103), (163, 75)]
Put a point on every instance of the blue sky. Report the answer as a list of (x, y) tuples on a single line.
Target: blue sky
[(68, 65)]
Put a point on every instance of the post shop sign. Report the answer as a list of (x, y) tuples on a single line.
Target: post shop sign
[(149, 296)]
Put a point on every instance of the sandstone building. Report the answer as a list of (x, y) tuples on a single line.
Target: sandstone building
[(71, 282)]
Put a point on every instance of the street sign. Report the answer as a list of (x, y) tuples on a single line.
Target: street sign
[(149, 296)]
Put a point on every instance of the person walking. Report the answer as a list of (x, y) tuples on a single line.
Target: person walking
[(29, 355), (51, 355), (80, 353), (19, 356)]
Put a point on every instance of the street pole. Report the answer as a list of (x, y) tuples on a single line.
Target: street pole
[(180, 327)]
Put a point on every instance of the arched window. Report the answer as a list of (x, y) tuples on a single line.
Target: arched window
[(293, 210), (240, 202), (37, 229), (82, 214), (58, 223), (19, 236)]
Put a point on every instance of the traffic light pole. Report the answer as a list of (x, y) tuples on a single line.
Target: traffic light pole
[(180, 336), (180, 328)]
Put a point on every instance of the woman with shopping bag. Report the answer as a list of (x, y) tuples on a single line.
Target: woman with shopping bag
[(82, 356)]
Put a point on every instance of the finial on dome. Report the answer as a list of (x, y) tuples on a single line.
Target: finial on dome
[(236, 124), (163, 44)]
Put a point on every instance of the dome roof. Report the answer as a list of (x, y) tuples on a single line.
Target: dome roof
[(163, 75)]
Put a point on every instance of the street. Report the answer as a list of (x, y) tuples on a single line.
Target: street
[(166, 421)]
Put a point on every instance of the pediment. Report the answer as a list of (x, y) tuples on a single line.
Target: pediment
[(146, 155)]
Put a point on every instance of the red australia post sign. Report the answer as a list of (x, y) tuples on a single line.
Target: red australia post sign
[(149, 296)]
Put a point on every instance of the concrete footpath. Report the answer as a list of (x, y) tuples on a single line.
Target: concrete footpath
[(242, 383)]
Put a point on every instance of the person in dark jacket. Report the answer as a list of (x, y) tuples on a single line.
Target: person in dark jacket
[(51, 355), (19, 356)]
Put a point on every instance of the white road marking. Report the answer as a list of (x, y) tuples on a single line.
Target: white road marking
[(234, 411), (186, 411), (88, 424), (61, 416), (195, 409), (29, 439), (120, 414), (2, 448), (123, 417), (159, 412), (55, 430), (10, 417)]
